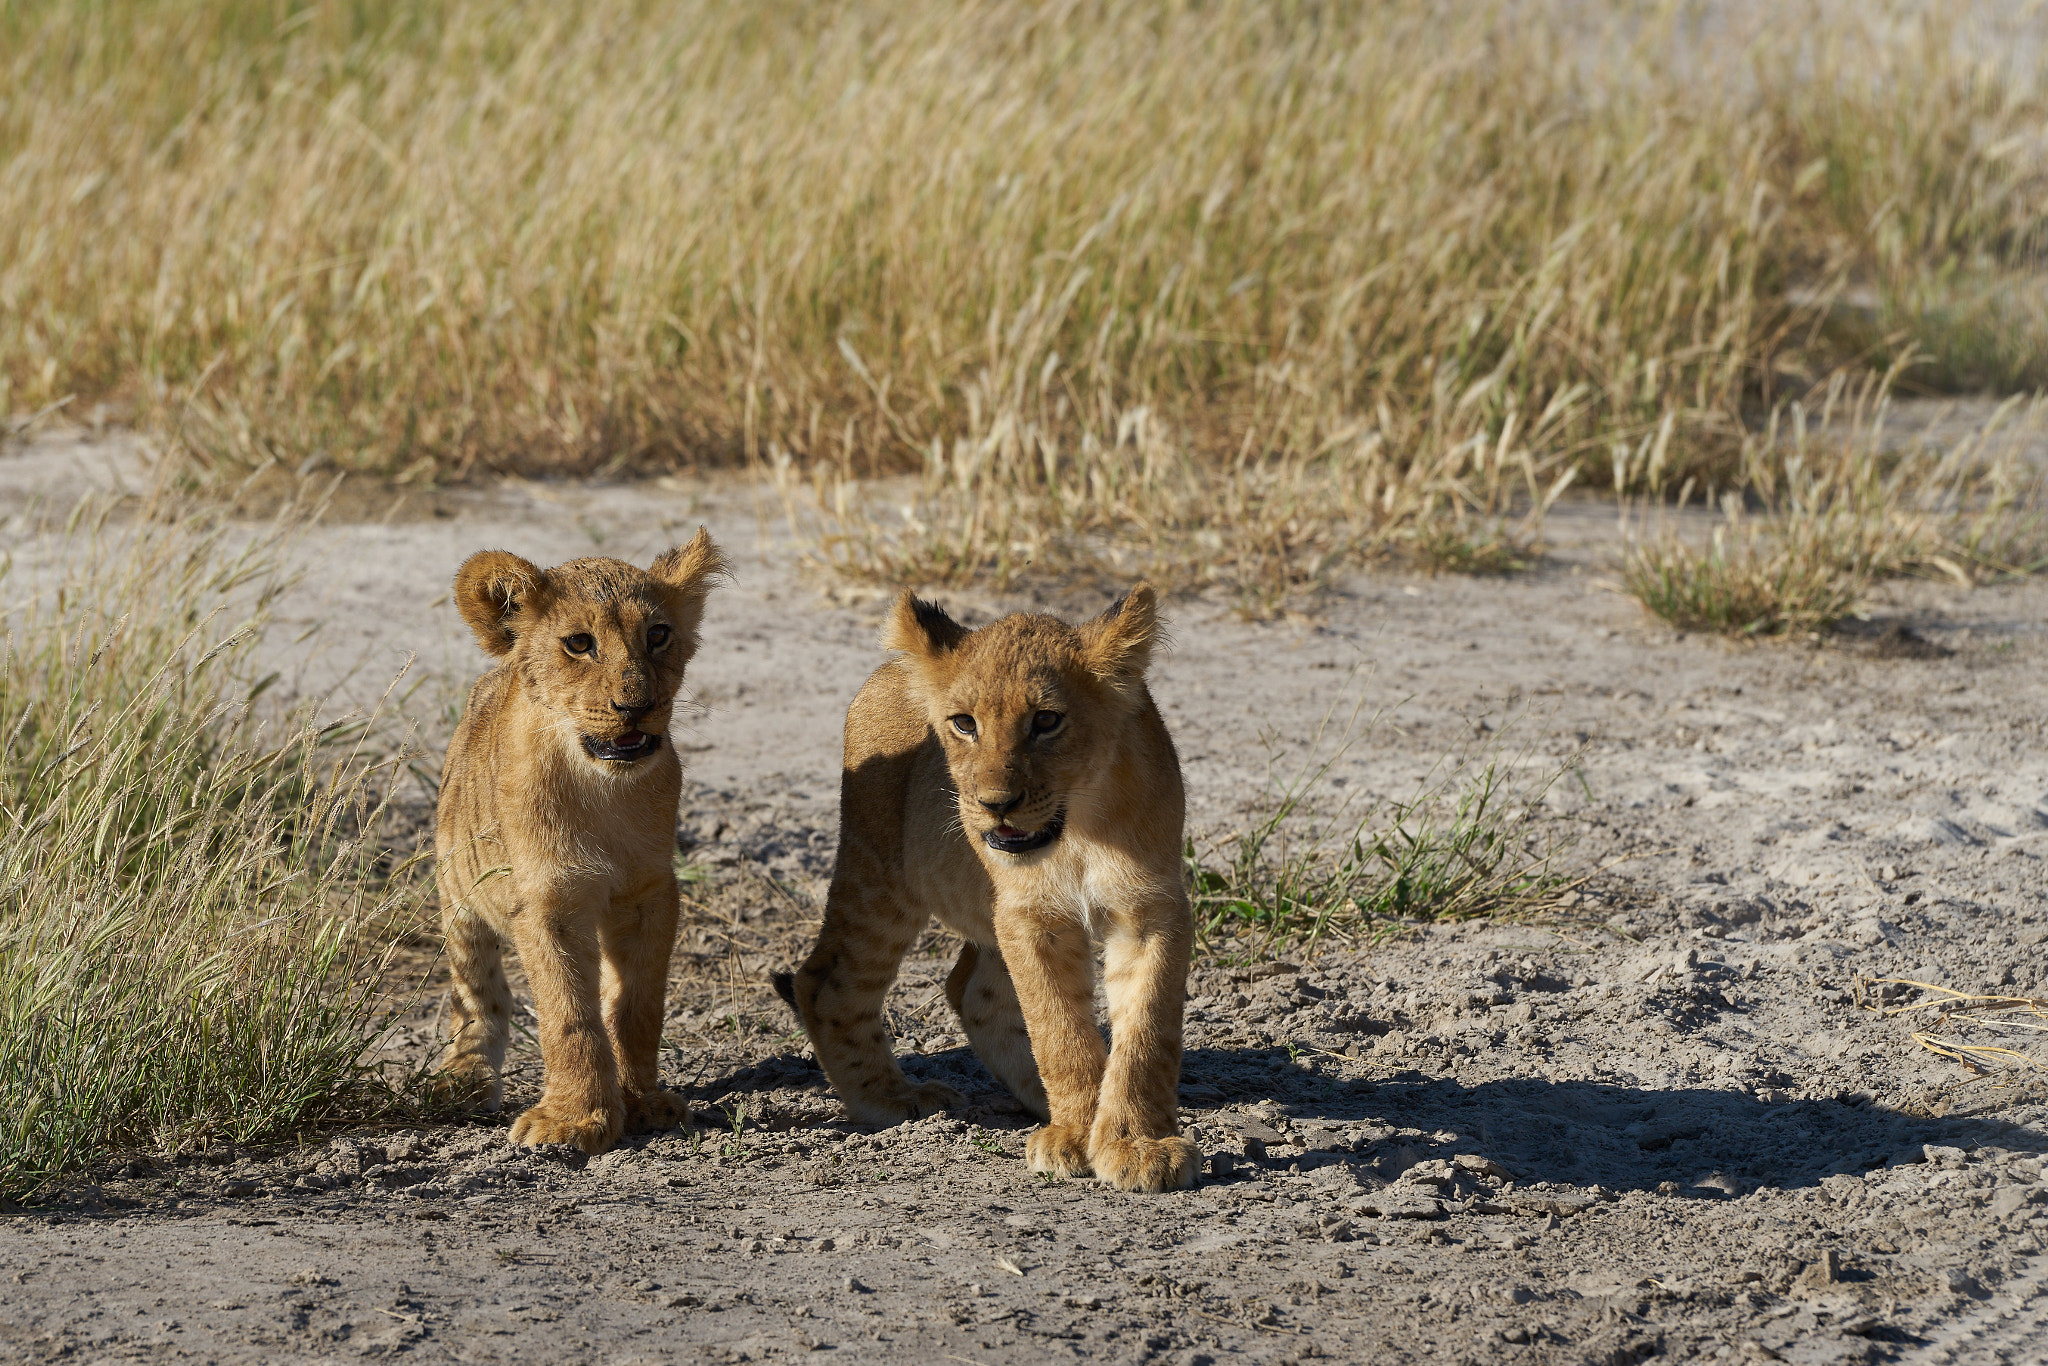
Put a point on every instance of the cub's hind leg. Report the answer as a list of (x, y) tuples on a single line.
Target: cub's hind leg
[(479, 1008), (838, 995), (636, 943), (985, 999)]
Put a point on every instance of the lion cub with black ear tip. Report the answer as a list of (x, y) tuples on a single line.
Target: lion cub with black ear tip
[(1018, 783), (557, 831)]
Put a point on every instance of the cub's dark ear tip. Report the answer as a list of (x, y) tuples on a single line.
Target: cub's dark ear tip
[(918, 627), (785, 987)]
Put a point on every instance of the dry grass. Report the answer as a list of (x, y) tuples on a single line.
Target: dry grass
[(1920, 143), (993, 508), (184, 880), (1825, 506), (1232, 292), (1986, 1034)]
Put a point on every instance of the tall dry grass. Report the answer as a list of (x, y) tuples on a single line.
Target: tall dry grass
[(1828, 501), (182, 880), (1920, 146), (1241, 289)]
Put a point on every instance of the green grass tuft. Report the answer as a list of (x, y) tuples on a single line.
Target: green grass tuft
[(182, 880), (1321, 864)]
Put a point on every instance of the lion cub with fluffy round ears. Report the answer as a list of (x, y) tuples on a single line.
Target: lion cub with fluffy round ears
[(1017, 782), (556, 831)]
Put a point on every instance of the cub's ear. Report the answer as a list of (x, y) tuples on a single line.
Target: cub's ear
[(690, 572), (921, 629), (494, 590), (1117, 646)]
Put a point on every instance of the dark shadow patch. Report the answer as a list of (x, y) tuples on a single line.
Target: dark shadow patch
[(1578, 1133), (1585, 1133), (783, 1071), (1889, 639)]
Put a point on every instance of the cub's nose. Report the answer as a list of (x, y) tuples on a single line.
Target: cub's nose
[(1000, 804), (632, 711)]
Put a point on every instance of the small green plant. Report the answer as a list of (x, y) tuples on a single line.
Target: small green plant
[(1321, 862), (736, 1119)]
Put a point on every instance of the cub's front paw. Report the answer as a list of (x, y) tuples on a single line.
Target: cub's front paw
[(1147, 1164), (1060, 1149), (912, 1102), (594, 1131), (656, 1110)]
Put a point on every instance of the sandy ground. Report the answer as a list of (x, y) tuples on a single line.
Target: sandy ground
[(1663, 1124)]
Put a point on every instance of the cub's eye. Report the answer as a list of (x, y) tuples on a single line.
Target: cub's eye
[(1046, 722), (964, 724), (582, 643), (657, 636)]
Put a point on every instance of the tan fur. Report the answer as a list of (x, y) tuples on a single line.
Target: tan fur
[(566, 855), (918, 800)]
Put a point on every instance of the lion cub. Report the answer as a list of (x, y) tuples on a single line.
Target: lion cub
[(1017, 782), (556, 831)]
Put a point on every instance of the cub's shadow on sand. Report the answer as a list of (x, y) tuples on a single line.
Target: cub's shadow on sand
[(1589, 1132), (1582, 1133)]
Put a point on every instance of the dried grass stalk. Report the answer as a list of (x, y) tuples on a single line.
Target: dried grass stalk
[(1964, 1014)]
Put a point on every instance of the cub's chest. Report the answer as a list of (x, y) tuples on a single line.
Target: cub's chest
[(594, 820), (1081, 881)]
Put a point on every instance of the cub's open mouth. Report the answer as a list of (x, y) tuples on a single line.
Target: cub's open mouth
[(1007, 839), (624, 749)]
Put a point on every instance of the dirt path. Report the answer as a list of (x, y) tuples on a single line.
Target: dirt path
[(1666, 1127)]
